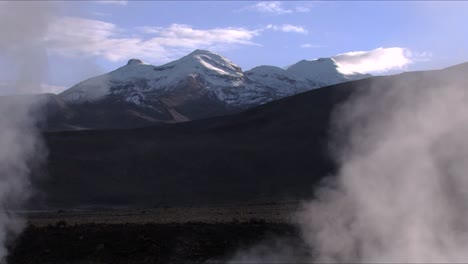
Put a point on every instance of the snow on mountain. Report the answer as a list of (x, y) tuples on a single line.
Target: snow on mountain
[(216, 71), (302, 76), (321, 72), (206, 76), (278, 79)]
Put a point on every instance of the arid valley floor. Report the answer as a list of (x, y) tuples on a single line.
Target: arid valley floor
[(158, 235)]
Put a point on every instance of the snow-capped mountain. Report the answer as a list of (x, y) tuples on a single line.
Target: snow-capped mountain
[(302, 76), (321, 72), (137, 82), (279, 80), (199, 85)]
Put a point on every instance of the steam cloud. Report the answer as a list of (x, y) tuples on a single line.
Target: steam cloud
[(401, 191), (23, 26), (401, 194)]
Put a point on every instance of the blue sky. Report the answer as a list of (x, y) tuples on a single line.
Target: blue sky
[(86, 38)]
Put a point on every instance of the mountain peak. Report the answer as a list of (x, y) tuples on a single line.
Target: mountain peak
[(322, 71), (213, 62), (134, 62), (323, 60), (202, 52)]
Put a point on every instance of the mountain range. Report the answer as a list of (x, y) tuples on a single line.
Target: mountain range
[(278, 150), (199, 85)]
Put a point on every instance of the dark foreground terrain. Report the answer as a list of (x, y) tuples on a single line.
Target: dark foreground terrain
[(166, 235), (149, 243), (276, 152)]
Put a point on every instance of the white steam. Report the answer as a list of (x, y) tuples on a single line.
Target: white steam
[(23, 26), (401, 194), (401, 191)]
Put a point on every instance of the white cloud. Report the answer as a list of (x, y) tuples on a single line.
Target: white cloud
[(273, 7), (73, 36), (288, 28), (310, 46), (276, 8), (374, 61), (80, 37), (113, 2), (186, 36)]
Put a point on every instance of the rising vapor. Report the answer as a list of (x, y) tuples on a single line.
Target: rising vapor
[(401, 194), (23, 26), (401, 191)]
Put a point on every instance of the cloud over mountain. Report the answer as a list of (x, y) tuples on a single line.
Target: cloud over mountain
[(77, 37), (378, 60), (73, 36)]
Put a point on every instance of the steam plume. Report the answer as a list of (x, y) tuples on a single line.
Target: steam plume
[(23, 26), (401, 194)]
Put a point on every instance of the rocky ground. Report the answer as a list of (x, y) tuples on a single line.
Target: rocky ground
[(158, 235)]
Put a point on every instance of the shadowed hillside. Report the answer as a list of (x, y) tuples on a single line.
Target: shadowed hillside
[(276, 151)]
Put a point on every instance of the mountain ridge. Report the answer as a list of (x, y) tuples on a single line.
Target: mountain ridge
[(221, 76), (199, 85), (275, 151)]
